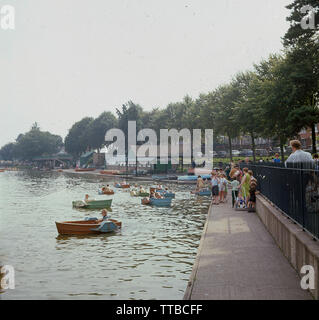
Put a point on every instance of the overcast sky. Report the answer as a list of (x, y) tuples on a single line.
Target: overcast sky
[(67, 59)]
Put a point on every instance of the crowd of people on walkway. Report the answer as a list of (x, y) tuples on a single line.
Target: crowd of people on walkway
[(241, 183)]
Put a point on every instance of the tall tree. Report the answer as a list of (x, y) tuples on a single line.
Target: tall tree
[(302, 44), (37, 143), (98, 128), (247, 111), (77, 140), (275, 93), (129, 112), (223, 102), (8, 151)]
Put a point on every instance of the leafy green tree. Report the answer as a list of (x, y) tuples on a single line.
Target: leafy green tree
[(98, 128), (37, 143), (8, 152), (302, 47), (129, 112), (247, 108), (223, 102), (275, 93), (77, 140)]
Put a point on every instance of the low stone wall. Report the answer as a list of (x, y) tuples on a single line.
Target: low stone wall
[(297, 246)]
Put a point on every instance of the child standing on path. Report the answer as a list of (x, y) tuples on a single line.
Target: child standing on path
[(215, 189), (222, 187), (234, 190)]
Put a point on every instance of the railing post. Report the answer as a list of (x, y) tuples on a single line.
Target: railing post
[(302, 198)]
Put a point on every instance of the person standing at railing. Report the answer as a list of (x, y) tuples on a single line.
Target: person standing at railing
[(276, 159), (298, 156)]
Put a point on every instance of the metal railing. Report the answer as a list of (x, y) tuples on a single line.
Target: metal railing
[(295, 191)]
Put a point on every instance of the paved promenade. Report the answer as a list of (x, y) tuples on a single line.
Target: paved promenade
[(239, 260)]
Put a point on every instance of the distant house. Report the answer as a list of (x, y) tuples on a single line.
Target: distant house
[(305, 136)]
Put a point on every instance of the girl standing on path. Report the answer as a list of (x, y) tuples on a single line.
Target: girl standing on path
[(245, 184), (222, 187)]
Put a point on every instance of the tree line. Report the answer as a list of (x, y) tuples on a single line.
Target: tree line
[(275, 99)]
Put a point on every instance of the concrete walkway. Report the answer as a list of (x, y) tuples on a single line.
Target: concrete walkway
[(239, 260)]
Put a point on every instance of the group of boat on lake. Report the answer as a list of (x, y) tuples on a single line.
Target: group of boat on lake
[(156, 196)]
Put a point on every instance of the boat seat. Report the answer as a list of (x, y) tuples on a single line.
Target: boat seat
[(106, 226)]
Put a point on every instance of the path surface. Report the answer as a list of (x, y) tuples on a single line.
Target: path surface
[(239, 260)]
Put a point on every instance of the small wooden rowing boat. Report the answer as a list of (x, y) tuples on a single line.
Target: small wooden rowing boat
[(140, 194), (84, 169), (93, 204), (168, 194), (122, 185), (2, 170), (110, 172), (87, 226), (101, 191), (164, 202), (203, 193)]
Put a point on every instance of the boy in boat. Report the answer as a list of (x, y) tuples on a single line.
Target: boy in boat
[(142, 190), (86, 199)]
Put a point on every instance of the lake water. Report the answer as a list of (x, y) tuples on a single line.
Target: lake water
[(150, 258)]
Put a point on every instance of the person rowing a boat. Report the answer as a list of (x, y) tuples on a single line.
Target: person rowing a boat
[(108, 189), (104, 215)]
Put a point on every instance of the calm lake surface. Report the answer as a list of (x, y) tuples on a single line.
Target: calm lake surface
[(150, 258)]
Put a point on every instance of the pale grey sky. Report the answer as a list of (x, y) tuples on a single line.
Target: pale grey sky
[(67, 59)]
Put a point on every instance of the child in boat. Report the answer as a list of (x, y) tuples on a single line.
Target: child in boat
[(158, 195), (147, 200), (86, 199), (142, 190), (108, 189), (200, 184)]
